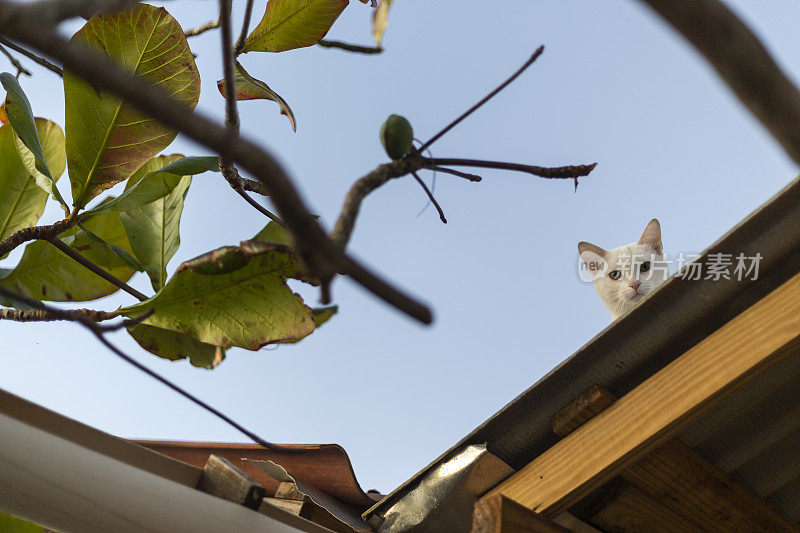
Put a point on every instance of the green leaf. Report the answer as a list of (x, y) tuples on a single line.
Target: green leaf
[(20, 116), (12, 524), (189, 166), (274, 232), (126, 257), (289, 24), (52, 141), (249, 88), (321, 315), (22, 201), (380, 19), (107, 139), (233, 296), (45, 273), (155, 184), (154, 228), (173, 345)]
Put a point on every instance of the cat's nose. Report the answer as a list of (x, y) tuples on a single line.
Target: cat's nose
[(634, 285)]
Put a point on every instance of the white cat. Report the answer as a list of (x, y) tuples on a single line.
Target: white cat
[(624, 276)]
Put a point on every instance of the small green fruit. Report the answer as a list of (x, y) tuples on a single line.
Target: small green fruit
[(397, 136)]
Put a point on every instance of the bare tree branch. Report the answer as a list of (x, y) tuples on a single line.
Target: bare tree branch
[(742, 61), (17, 65), (54, 11), (30, 55), (357, 48), (34, 233), (253, 186), (238, 48), (47, 315), (430, 196), (202, 28), (465, 175), (483, 100), (567, 172), (73, 254), (361, 188)]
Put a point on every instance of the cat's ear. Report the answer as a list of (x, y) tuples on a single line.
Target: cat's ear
[(652, 236), (592, 256)]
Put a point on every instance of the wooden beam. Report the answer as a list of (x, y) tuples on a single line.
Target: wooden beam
[(627, 508), (581, 410), (697, 489), (499, 514), (657, 409), (222, 479)]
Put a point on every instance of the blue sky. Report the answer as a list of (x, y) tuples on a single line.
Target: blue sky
[(615, 85)]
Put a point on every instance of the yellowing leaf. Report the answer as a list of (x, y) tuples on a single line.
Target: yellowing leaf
[(173, 345), (232, 296), (380, 19), (289, 24), (108, 139), (249, 88)]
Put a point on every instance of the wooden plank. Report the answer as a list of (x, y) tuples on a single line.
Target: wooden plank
[(288, 491), (499, 514), (222, 479), (630, 509), (682, 479), (691, 485), (581, 410), (657, 409), (293, 506)]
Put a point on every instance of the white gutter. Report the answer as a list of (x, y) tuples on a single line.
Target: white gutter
[(65, 485)]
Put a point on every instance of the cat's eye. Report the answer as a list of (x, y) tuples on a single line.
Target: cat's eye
[(644, 266), (615, 274)]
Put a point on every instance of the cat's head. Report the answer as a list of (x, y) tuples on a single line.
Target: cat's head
[(624, 276)]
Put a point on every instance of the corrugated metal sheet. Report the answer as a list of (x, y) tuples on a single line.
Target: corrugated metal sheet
[(754, 435), (674, 318), (325, 466)]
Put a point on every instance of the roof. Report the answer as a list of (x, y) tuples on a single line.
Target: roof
[(325, 466), (751, 435), (71, 477)]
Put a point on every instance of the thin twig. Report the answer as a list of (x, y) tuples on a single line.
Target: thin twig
[(357, 48), (260, 208), (485, 99), (128, 322), (34, 233), (743, 63), (73, 254), (46, 315), (17, 65), (202, 28), (567, 172), (430, 196), (465, 175), (33, 57), (99, 332), (238, 48), (321, 255)]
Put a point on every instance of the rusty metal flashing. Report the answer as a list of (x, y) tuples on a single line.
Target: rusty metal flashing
[(675, 317)]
